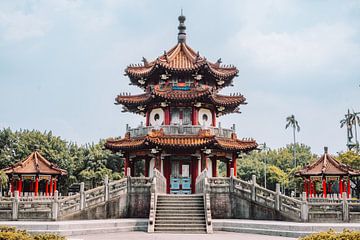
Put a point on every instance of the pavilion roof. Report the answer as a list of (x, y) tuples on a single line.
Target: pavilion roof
[(203, 139), (35, 163), (181, 58), (328, 165)]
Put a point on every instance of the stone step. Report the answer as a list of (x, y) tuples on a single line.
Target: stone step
[(180, 208), (183, 215), (180, 225), (179, 222), (180, 203), (181, 229), (180, 218), (176, 212), (177, 201)]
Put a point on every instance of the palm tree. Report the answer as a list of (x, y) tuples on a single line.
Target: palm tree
[(350, 120), (291, 121)]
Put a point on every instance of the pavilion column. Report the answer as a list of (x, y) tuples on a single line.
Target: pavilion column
[(204, 161), (132, 167), (341, 186), (167, 116), (227, 168), (51, 186), (126, 164), (146, 123), (233, 163), (306, 189), (157, 164), (310, 188), (194, 116), (20, 185), (47, 188), (55, 185), (36, 185), (195, 172), (214, 118), (214, 167), (348, 187), (146, 167), (324, 187), (12, 185)]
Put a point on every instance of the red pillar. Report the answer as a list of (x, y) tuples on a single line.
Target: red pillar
[(233, 163), (324, 187), (214, 167), (341, 186), (12, 186), (167, 115), (348, 187), (146, 119), (157, 164), (214, 118), (20, 185), (306, 190), (55, 184), (146, 167), (194, 116), (51, 186), (47, 188), (167, 173), (204, 161), (126, 164), (310, 187), (227, 168), (36, 185)]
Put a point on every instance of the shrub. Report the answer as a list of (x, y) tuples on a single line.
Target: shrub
[(332, 235), (11, 233)]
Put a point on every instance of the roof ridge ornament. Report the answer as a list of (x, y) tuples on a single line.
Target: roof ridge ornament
[(182, 28)]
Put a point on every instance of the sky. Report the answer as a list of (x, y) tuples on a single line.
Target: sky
[(62, 63)]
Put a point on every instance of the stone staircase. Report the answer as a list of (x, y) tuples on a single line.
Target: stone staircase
[(180, 213)]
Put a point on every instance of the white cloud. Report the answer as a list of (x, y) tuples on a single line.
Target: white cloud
[(312, 49)]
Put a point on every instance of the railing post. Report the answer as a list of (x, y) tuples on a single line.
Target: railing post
[(106, 188), (232, 174), (128, 172), (253, 188), (304, 211), (15, 206), (345, 205), (82, 196), (277, 197), (55, 206)]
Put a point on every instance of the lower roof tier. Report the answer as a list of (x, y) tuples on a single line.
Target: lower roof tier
[(157, 138)]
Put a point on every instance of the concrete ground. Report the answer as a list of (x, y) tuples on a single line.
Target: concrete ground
[(167, 236)]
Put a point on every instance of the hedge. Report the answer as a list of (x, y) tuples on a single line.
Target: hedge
[(332, 235), (11, 233)]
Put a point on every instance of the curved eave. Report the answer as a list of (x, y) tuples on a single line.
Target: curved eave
[(223, 100), (133, 99), (236, 144)]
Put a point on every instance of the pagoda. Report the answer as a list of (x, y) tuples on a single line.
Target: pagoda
[(181, 104)]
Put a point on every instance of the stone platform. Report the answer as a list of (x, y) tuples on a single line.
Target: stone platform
[(272, 228)]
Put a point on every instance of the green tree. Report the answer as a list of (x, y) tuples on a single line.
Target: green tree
[(3, 181), (352, 159)]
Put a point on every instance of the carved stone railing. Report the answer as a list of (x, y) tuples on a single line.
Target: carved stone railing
[(180, 130), (158, 186), (202, 186)]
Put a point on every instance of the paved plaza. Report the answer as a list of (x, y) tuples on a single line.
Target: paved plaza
[(167, 236)]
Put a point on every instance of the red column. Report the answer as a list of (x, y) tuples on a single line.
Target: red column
[(214, 166), (233, 163), (47, 188), (324, 187), (214, 118), (36, 185), (306, 190), (51, 186), (20, 185), (348, 187), (167, 115), (194, 116), (146, 167), (310, 187), (55, 184), (204, 162), (341, 186), (227, 168), (146, 119), (167, 173), (12, 186), (126, 164), (157, 164)]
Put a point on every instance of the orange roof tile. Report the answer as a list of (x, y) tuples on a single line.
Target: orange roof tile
[(327, 165), (181, 58), (158, 138), (35, 163)]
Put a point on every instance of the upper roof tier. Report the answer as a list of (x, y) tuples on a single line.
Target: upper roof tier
[(181, 59), (35, 163), (326, 165)]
